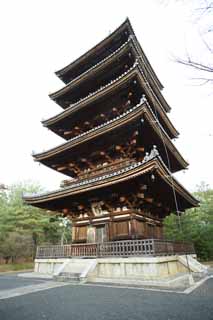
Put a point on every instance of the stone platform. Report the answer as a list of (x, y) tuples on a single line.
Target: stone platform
[(154, 271)]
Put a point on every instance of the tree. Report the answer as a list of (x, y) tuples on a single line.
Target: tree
[(18, 220), (196, 224), (59, 230), (16, 246)]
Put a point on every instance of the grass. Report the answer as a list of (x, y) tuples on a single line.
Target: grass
[(16, 266), (208, 263)]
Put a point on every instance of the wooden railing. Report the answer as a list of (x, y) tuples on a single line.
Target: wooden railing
[(127, 248), (110, 167)]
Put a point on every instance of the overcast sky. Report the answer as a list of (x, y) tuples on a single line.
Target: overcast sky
[(40, 37)]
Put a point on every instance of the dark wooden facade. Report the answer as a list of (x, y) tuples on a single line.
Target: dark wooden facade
[(118, 149)]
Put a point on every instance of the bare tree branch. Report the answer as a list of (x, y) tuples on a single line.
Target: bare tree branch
[(196, 65), (204, 68)]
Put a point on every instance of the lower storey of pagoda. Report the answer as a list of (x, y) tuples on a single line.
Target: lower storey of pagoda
[(129, 203), (121, 224), (124, 212)]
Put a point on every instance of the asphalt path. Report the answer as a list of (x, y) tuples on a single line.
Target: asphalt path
[(98, 302), (11, 281)]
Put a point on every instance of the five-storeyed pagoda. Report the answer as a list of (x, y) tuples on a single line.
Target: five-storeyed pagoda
[(118, 149)]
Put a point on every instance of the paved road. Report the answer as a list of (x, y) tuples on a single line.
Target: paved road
[(93, 302), (11, 281)]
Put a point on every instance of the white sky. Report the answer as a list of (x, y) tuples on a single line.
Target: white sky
[(40, 37)]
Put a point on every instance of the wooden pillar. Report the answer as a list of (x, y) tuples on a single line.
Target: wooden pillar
[(133, 230), (110, 230)]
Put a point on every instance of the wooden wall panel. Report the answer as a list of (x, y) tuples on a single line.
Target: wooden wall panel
[(150, 231), (159, 232), (81, 233), (120, 229), (141, 228)]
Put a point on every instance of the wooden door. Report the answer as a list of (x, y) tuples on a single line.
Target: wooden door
[(101, 234), (151, 230)]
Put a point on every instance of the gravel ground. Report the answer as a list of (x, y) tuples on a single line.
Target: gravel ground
[(90, 302)]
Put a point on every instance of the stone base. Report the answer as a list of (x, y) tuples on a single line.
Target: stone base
[(176, 281), (55, 266), (48, 266), (131, 268), (162, 272), (137, 268)]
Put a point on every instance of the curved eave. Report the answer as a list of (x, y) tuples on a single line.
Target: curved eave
[(84, 56), (86, 136), (137, 111), (91, 97), (159, 84), (131, 42), (162, 133), (134, 171), (135, 70), (73, 83), (126, 24)]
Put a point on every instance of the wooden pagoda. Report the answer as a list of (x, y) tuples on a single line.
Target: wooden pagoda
[(118, 149)]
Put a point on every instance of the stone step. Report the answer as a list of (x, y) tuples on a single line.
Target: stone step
[(193, 264), (68, 277), (70, 274)]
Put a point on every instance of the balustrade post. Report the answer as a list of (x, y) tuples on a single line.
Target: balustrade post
[(37, 251), (98, 250), (153, 247)]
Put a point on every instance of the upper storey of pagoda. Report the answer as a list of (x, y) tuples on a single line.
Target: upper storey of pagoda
[(126, 87), (94, 70), (126, 136), (102, 50)]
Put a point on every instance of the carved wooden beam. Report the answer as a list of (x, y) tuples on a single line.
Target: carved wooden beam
[(129, 150), (103, 116), (148, 199), (135, 133), (159, 204), (140, 149), (81, 207), (84, 160), (122, 199), (109, 207), (120, 149), (71, 164), (140, 195), (91, 165), (133, 199), (66, 211), (87, 125), (125, 200), (115, 110), (129, 204), (143, 187), (67, 133), (73, 167), (106, 156), (95, 154), (133, 142), (62, 168)]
